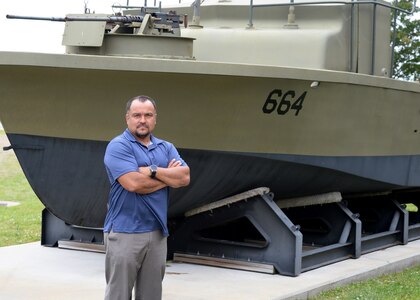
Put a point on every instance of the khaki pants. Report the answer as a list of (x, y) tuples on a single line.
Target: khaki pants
[(134, 260)]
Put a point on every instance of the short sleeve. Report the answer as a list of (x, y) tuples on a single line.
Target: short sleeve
[(173, 153), (119, 159)]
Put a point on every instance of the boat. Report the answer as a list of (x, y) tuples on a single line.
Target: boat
[(292, 96)]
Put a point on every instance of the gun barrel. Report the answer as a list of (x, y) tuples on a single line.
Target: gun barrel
[(113, 19), (36, 18), (122, 19)]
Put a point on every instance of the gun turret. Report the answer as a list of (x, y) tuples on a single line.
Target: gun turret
[(151, 34)]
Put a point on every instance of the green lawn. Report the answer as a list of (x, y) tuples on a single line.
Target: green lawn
[(22, 223), (397, 286)]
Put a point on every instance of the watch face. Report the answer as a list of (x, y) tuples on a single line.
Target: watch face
[(153, 170)]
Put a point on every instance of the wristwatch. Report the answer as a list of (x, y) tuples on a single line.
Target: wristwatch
[(153, 170)]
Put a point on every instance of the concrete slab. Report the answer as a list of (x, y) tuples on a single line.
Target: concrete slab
[(31, 271)]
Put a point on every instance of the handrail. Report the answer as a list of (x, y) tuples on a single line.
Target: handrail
[(292, 3)]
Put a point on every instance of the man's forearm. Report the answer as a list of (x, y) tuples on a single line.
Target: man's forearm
[(174, 177), (150, 185), (140, 183)]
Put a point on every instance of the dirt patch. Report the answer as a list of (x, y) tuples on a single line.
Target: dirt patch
[(4, 142), (9, 203)]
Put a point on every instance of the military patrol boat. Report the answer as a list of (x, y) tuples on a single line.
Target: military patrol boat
[(302, 149)]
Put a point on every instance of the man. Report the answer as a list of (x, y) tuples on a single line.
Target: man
[(141, 168)]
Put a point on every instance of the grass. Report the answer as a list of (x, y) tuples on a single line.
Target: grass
[(411, 207), (402, 286), (22, 223)]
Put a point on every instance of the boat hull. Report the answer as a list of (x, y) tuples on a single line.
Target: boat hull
[(296, 131)]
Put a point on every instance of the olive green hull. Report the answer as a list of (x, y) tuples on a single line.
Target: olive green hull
[(211, 106)]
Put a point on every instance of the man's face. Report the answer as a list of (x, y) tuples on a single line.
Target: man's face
[(141, 118)]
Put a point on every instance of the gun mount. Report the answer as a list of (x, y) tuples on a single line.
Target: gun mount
[(146, 34)]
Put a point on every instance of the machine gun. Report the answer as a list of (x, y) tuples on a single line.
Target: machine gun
[(157, 23)]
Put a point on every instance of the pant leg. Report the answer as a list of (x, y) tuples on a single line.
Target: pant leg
[(124, 254), (152, 271)]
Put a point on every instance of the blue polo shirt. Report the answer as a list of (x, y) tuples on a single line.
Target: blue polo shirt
[(130, 212)]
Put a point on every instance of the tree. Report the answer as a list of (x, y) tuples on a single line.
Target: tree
[(407, 42)]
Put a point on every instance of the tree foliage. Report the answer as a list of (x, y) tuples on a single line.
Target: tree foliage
[(407, 42)]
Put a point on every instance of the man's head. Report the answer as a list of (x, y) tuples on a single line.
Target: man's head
[(141, 116)]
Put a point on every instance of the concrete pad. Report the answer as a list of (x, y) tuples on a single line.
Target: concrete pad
[(31, 271)]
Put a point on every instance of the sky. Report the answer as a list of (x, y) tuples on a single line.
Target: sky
[(43, 36)]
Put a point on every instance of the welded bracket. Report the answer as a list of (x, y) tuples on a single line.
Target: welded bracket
[(384, 222), (56, 233), (331, 233), (410, 200)]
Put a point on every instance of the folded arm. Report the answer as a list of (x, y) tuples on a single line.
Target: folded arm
[(174, 175), (140, 183)]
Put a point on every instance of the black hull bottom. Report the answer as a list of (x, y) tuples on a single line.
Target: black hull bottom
[(69, 178)]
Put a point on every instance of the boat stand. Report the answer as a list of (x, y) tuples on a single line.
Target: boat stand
[(56, 233), (250, 228), (384, 222), (411, 201), (414, 222), (331, 232), (251, 231)]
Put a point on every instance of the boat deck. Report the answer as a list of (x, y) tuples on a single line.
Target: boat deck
[(31, 271)]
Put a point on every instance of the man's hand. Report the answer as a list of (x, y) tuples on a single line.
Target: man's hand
[(174, 163)]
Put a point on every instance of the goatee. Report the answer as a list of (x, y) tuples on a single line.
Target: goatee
[(142, 136)]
